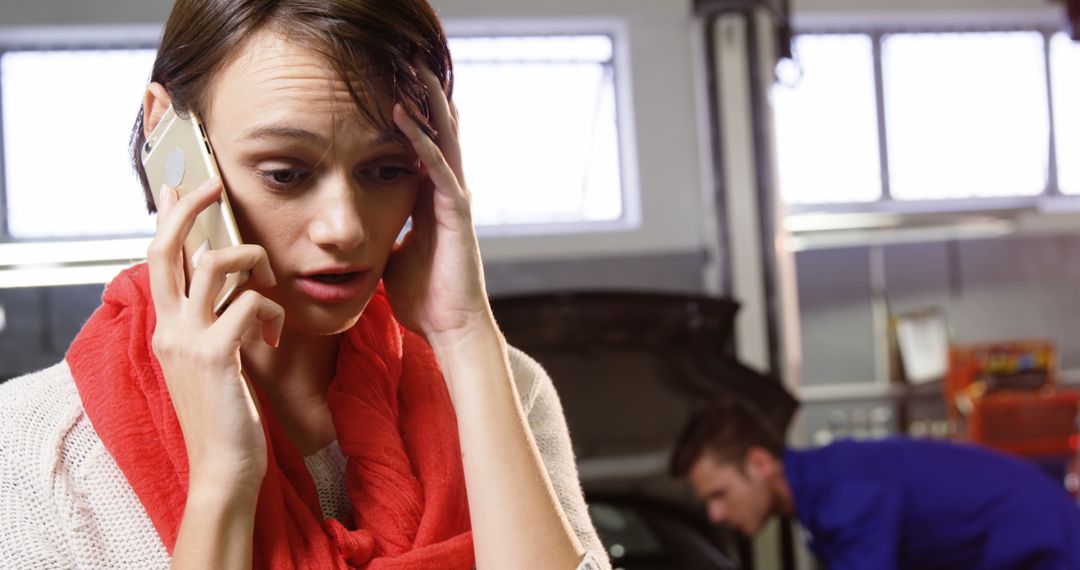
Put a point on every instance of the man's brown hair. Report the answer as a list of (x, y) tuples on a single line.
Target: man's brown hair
[(374, 46), (726, 428)]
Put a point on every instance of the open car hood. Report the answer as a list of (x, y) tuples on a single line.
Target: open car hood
[(631, 368)]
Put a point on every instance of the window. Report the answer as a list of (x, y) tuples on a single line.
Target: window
[(826, 121), (965, 114), (67, 116), (538, 127), (1065, 71), (539, 135), (907, 118)]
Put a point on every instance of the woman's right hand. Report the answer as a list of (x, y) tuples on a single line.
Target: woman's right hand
[(199, 352)]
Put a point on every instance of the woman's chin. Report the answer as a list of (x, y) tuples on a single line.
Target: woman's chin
[(321, 323), (323, 319), (307, 315)]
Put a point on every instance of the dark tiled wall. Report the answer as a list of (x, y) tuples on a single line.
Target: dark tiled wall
[(42, 322)]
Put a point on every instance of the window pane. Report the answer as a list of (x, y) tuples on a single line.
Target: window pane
[(538, 119), (67, 116), (826, 122), (538, 128), (1065, 74), (966, 114)]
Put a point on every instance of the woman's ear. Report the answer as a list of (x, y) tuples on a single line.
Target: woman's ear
[(155, 102)]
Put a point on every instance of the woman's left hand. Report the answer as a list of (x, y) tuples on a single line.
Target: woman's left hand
[(435, 279), (436, 286)]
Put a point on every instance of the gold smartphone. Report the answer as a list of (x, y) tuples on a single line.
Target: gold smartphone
[(178, 153)]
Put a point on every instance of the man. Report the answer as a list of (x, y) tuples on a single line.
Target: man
[(882, 505)]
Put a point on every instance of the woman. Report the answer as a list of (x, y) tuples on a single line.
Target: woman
[(303, 427)]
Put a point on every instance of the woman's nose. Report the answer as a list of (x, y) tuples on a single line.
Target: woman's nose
[(336, 220)]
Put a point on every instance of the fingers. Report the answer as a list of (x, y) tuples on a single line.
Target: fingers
[(441, 114), (176, 216), (423, 214), (166, 285), (445, 118), (250, 309), (454, 118), (442, 175), (213, 268)]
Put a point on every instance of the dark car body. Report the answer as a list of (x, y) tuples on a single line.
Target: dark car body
[(630, 369)]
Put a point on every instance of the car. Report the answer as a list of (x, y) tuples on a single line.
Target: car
[(646, 533), (630, 368)]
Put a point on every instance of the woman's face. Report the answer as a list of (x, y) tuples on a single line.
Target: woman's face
[(324, 192)]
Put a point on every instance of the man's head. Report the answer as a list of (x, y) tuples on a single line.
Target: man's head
[(731, 458)]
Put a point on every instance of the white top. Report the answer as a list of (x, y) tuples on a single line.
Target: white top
[(64, 503)]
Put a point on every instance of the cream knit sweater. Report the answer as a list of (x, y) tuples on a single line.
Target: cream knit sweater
[(64, 503)]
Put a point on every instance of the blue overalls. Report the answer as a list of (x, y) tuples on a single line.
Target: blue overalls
[(921, 505)]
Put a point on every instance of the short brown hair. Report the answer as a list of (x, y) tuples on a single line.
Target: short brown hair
[(726, 428), (374, 46)]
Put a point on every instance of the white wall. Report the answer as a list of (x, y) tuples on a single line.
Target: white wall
[(911, 6), (657, 75), (76, 12), (926, 12), (661, 73), (657, 72)]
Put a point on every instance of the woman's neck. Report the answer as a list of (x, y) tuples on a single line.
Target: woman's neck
[(294, 378)]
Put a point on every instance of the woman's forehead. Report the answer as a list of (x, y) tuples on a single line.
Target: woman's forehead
[(272, 75)]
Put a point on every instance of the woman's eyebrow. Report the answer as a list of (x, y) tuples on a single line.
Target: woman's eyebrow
[(310, 137), (277, 132)]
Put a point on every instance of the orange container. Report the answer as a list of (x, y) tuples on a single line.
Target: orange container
[(1032, 425), (1006, 396)]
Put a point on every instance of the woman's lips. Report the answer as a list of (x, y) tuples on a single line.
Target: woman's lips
[(332, 288)]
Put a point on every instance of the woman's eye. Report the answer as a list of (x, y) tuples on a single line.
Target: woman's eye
[(389, 173), (283, 177)]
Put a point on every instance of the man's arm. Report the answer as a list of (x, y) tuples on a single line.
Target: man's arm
[(856, 526)]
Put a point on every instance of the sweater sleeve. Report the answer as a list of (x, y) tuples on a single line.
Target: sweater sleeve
[(33, 535), (548, 425), (64, 502)]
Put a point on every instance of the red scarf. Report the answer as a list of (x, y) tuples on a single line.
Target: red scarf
[(395, 425)]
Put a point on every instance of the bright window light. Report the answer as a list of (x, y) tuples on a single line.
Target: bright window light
[(966, 114), (1065, 76), (538, 129), (826, 122), (538, 115), (67, 116)]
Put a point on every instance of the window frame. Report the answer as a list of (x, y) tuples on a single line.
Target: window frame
[(38, 38), (47, 38), (1049, 200), (50, 262), (629, 201)]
